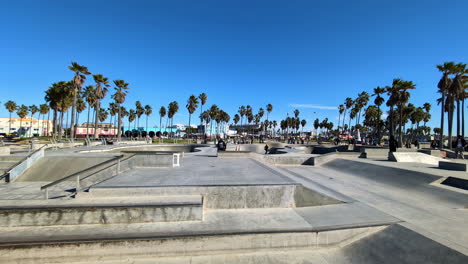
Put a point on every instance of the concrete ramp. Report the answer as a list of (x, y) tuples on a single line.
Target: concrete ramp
[(415, 157), (50, 169), (397, 244)]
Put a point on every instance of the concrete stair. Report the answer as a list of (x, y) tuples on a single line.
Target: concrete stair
[(107, 210)]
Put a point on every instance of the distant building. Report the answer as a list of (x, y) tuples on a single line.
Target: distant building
[(40, 127), (104, 130)]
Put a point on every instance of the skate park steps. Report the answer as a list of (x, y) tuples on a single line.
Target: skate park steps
[(113, 210)]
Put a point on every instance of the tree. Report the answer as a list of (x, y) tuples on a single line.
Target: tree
[(203, 97), (303, 123), (78, 81), (103, 114), (296, 113), (113, 110), (341, 109), (119, 97), (131, 117), (148, 112), (139, 111), (100, 91), (44, 109), (378, 101), (192, 104), (162, 113), (59, 96), (213, 112), (80, 107), (236, 119), (90, 97), (11, 107), (242, 111), (348, 104), (33, 109), (173, 109), (443, 86), (22, 113)]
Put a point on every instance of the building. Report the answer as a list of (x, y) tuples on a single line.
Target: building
[(23, 127), (104, 130)]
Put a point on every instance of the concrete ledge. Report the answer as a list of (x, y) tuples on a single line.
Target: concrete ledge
[(374, 152), (413, 157), (234, 154), (177, 246), (101, 211), (432, 152), (4, 150), (449, 165)]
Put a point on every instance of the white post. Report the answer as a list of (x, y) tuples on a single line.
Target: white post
[(175, 160)]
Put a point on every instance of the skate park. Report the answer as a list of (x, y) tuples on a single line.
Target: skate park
[(193, 204)]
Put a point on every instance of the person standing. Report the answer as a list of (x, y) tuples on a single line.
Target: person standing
[(460, 147), (266, 149)]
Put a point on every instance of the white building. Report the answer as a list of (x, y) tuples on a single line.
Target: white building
[(39, 126), (182, 127)]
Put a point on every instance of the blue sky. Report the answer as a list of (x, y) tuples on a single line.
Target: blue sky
[(308, 53)]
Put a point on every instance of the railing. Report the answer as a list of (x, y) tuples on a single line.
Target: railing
[(80, 173), (6, 175)]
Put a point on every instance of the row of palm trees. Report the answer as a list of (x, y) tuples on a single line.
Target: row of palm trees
[(22, 111), (399, 113)]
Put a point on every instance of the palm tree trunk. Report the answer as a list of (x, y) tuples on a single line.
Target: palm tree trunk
[(458, 118), (48, 118), (450, 127), (442, 116), (119, 132), (160, 123), (30, 126), (72, 121), (19, 130), (344, 118), (54, 124), (463, 118), (400, 127), (96, 118), (189, 117), (9, 125)]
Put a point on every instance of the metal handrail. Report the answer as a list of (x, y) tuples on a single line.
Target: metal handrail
[(21, 161), (81, 172)]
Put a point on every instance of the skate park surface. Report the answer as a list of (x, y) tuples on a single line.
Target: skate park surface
[(235, 209)]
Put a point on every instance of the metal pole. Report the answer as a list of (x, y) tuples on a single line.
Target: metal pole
[(118, 166), (77, 183)]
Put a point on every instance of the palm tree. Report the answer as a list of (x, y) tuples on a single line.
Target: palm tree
[(131, 117), (103, 114), (303, 123), (173, 109), (213, 112), (378, 101), (44, 109), (242, 112), (59, 97), (296, 113), (90, 96), (443, 86), (113, 110), (148, 112), (100, 91), (22, 113), (348, 104), (192, 104), (162, 113), (341, 109), (33, 109), (80, 107), (78, 81), (11, 107), (203, 97), (427, 109), (119, 97), (236, 119)]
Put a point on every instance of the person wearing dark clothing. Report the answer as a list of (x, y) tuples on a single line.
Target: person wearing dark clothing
[(266, 149), (459, 146), (392, 144), (221, 145)]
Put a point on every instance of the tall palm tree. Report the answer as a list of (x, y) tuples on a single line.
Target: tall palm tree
[(162, 113), (269, 109), (78, 81), (100, 91), (113, 110), (296, 113), (80, 107), (22, 113), (242, 112), (119, 97), (236, 119), (203, 97), (378, 101), (173, 109), (303, 123), (213, 111), (90, 97), (44, 109), (348, 104), (148, 112), (33, 109), (341, 109), (131, 117), (443, 87), (139, 111), (192, 104), (103, 114), (11, 107), (427, 109)]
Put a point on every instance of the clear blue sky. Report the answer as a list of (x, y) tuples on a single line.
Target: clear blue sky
[(312, 53)]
